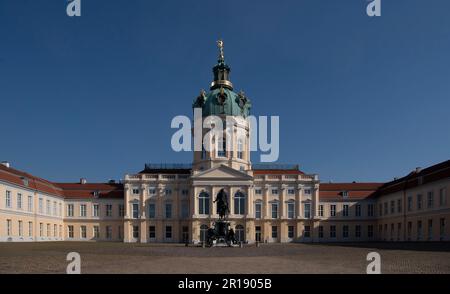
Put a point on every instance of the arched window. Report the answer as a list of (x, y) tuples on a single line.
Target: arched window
[(240, 149), (203, 233), (239, 203), (222, 147), (203, 203), (239, 233)]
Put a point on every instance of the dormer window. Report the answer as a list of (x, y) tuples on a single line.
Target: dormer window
[(345, 194), (96, 194)]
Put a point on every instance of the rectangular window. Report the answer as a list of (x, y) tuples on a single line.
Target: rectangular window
[(392, 232), (345, 210), (358, 210), (30, 229), (410, 203), (48, 207), (399, 230), (409, 232), (185, 209), (55, 231), (380, 209), (55, 207), (274, 191), (168, 192), (152, 232), (121, 210), (419, 201), (135, 232), (321, 210), (291, 210), (151, 210), (83, 232), (136, 191), (152, 191), (332, 210), (385, 208), (109, 211), (307, 191), (290, 232), (120, 232), (442, 197), (320, 231), (41, 230), (109, 232), (430, 229), (442, 229), (392, 206), (332, 231), (345, 231), (19, 201), (49, 233), (70, 210), (307, 210), (258, 209), (274, 210), (258, 191), (168, 232), (185, 192), (96, 232), (370, 231), (41, 205), (20, 228), (60, 209), (83, 210), (168, 210), (8, 199), (419, 230), (95, 210), (135, 210), (307, 232), (430, 199), (274, 232), (358, 231), (291, 191), (370, 210), (70, 230), (399, 205), (30, 203)]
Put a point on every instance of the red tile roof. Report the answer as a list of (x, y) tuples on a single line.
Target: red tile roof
[(77, 190), (356, 191), (66, 190)]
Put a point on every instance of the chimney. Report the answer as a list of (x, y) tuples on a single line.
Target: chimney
[(418, 169), (83, 181), (6, 163), (111, 181)]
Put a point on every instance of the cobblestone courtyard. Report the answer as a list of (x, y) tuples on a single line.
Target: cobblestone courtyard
[(266, 259)]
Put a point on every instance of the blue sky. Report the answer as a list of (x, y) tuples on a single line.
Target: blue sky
[(359, 98)]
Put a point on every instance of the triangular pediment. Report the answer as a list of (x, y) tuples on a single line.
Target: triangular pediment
[(222, 172)]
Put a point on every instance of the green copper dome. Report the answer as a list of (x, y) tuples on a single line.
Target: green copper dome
[(222, 100)]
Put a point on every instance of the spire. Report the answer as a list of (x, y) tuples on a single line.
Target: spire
[(221, 70)]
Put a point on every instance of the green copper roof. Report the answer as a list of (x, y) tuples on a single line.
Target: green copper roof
[(223, 101)]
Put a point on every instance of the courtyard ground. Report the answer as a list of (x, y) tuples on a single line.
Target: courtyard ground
[(266, 259)]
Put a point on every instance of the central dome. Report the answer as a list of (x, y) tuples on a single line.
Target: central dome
[(222, 100)]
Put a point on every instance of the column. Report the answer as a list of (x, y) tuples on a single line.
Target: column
[(230, 191), (143, 231), (250, 199), (143, 198), (315, 200), (265, 212), (298, 202), (282, 202)]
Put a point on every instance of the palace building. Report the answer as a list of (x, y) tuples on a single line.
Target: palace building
[(268, 203)]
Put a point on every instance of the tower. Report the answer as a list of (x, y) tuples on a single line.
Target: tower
[(232, 148)]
